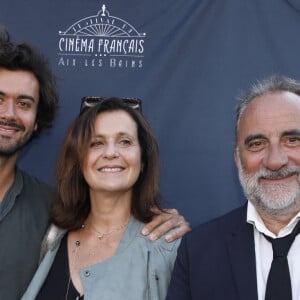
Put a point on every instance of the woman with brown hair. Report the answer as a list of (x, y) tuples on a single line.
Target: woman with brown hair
[(108, 184)]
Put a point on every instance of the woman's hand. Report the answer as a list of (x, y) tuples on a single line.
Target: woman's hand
[(164, 222)]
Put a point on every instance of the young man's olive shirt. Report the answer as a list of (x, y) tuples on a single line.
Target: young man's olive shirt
[(24, 218)]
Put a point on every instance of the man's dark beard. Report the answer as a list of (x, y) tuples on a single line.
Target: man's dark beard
[(12, 124), (12, 149)]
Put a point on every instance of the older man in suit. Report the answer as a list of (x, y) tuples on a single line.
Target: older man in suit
[(236, 256)]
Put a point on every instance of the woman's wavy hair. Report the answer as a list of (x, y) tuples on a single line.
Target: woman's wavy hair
[(73, 203)]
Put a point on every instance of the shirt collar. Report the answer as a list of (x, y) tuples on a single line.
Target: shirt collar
[(254, 218)]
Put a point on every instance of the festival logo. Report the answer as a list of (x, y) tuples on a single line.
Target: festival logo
[(101, 41)]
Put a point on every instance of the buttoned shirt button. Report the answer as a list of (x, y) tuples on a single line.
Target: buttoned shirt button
[(87, 273)]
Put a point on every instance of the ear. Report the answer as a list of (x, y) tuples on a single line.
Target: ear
[(35, 126)]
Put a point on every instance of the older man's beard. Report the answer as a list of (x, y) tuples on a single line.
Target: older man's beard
[(273, 198)]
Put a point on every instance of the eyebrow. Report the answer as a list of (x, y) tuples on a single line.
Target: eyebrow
[(291, 132), (26, 97), (252, 137), (118, 134), (21, 96), (248, 139)]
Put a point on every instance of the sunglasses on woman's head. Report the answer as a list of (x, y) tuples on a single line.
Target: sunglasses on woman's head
[(91, 101)]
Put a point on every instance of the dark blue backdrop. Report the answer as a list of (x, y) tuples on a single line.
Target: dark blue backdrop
[(187, 60)]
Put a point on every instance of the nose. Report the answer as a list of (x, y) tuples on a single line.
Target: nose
[(275, 158), (111, 151), (8, 110)]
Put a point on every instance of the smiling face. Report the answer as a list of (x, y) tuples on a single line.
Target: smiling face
[(19, 96), (268, 152), (113, 160)]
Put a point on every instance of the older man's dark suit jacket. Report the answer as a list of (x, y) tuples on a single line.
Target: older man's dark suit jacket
[(216, 260)]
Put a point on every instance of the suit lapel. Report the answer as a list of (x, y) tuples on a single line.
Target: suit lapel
[(242, 256)]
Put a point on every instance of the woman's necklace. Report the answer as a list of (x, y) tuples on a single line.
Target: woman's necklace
[(101, 235), (77, 244)]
